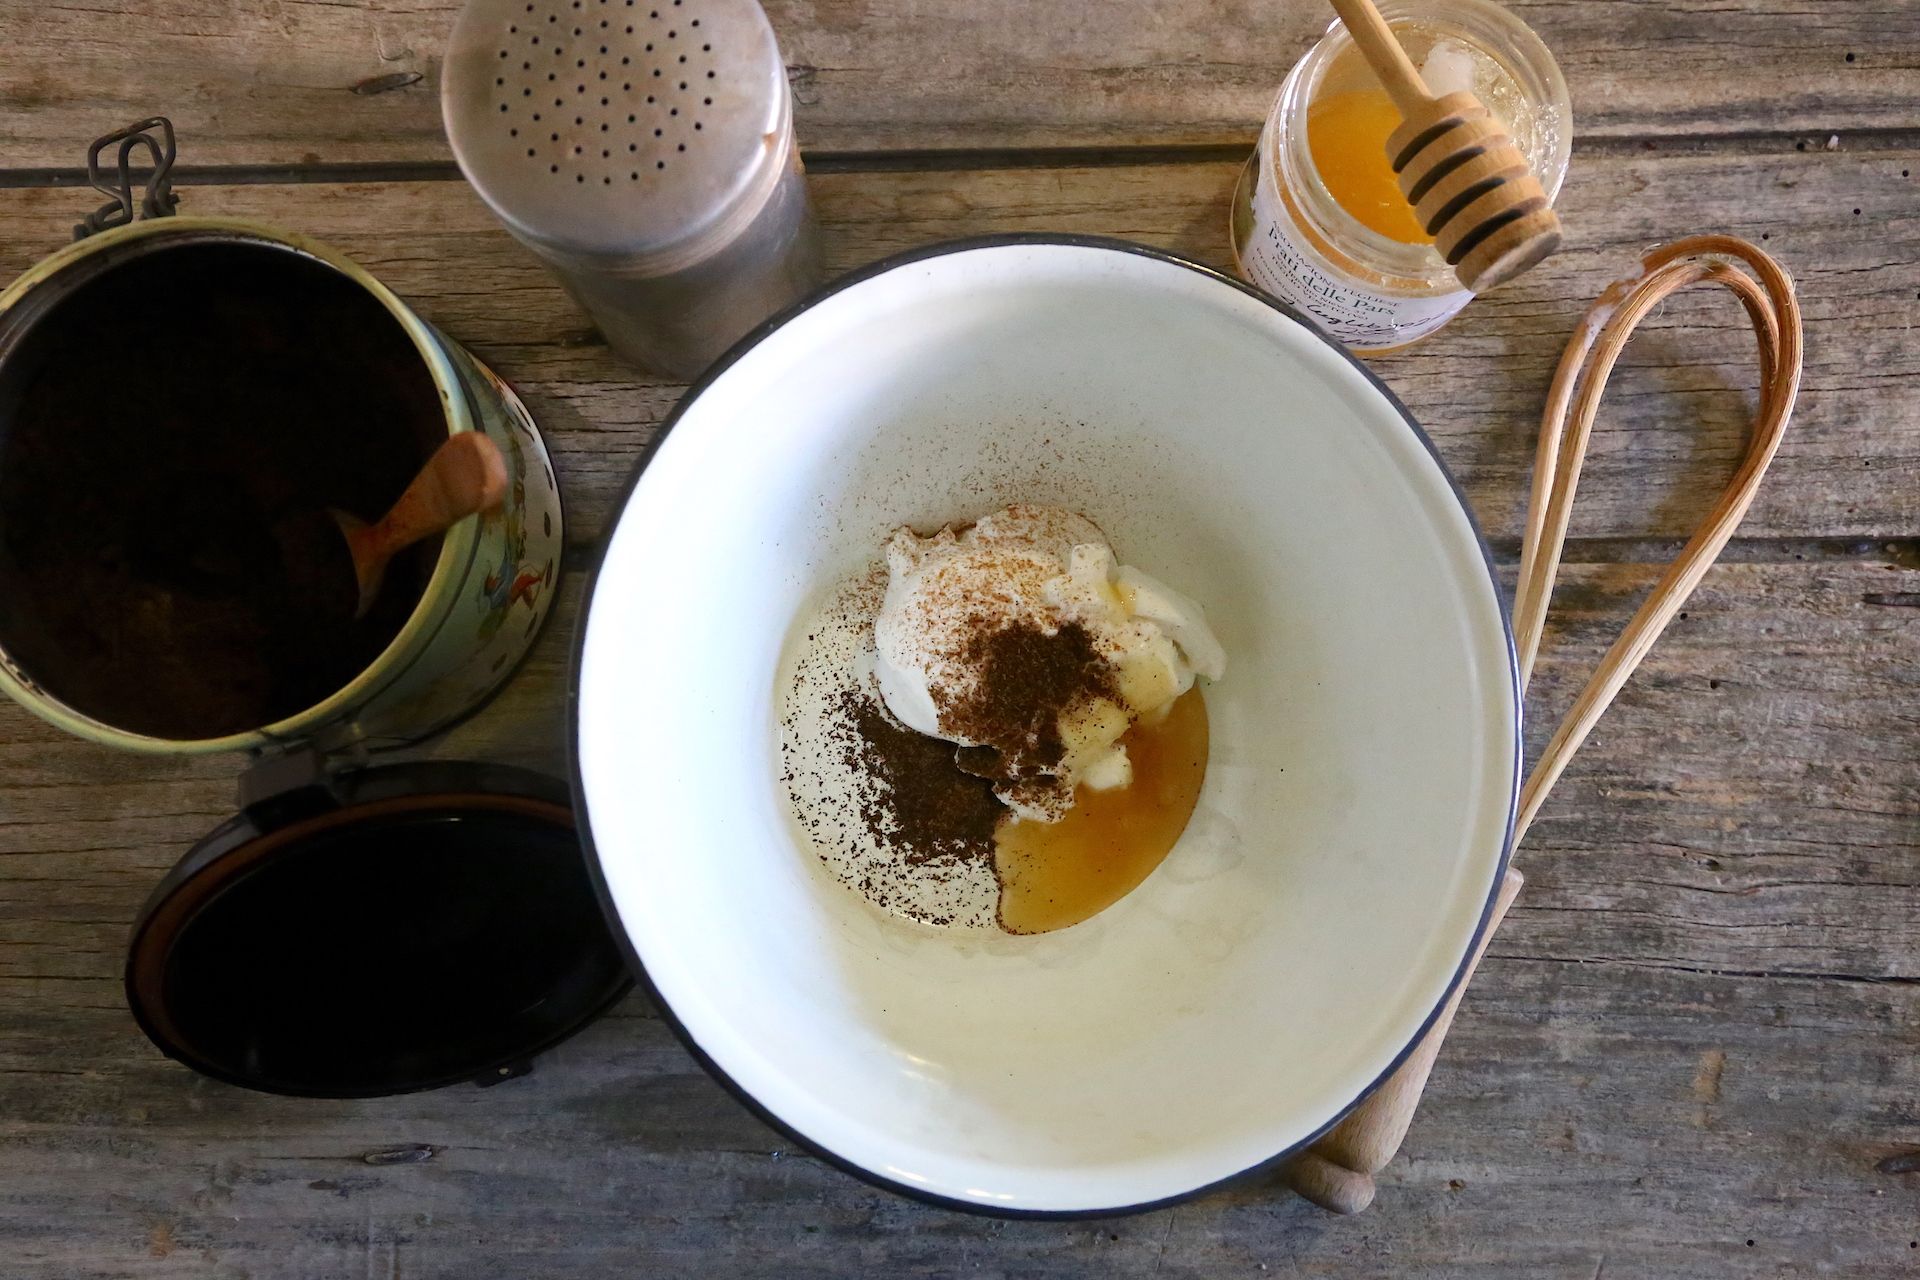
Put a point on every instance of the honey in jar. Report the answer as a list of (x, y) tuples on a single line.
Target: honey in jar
[(1318, 218), (1347, 137)]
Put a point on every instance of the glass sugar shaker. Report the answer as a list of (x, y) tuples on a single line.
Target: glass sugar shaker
[(644, 149), (1318, 219)]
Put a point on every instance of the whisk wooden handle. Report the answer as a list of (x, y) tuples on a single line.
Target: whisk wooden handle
[(1337, 1172)]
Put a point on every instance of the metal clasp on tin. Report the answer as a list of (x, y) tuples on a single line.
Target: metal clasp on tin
[(157, 200)]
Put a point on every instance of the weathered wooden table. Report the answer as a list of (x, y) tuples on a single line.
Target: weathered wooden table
[(1694, 1049)]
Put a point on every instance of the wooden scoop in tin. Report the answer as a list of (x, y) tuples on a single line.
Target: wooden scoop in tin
[(464, 476)]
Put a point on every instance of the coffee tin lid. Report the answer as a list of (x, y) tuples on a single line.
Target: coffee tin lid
[(379, 931), (617, 129)]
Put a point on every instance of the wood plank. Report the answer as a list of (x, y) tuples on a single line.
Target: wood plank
[(1585, 1120), (1700, 1028), (1750, 802), (303, 81), (1747, 804), (1669, 434)]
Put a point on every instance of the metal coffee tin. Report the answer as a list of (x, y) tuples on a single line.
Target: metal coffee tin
[(645, 150), (492, 584)]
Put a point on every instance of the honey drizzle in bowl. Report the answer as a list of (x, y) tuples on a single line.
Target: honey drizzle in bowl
[(1056, 874)]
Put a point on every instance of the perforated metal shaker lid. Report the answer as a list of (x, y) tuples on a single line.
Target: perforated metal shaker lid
[(618, 130)]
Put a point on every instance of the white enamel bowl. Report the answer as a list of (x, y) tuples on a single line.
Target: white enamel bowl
[(1358, 805)]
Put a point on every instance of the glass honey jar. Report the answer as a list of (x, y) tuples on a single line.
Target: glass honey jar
[(1318, 219)]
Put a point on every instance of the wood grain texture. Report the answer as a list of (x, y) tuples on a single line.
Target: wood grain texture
[(1699, 1027), (1693, 1049), (1574, 1093), (310, 81), (1748, 804), (1669, 435)]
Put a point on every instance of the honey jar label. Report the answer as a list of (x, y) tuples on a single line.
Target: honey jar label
[(1277, 258)]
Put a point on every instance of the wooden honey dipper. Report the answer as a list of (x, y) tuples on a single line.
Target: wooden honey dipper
[(1468, 182)]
